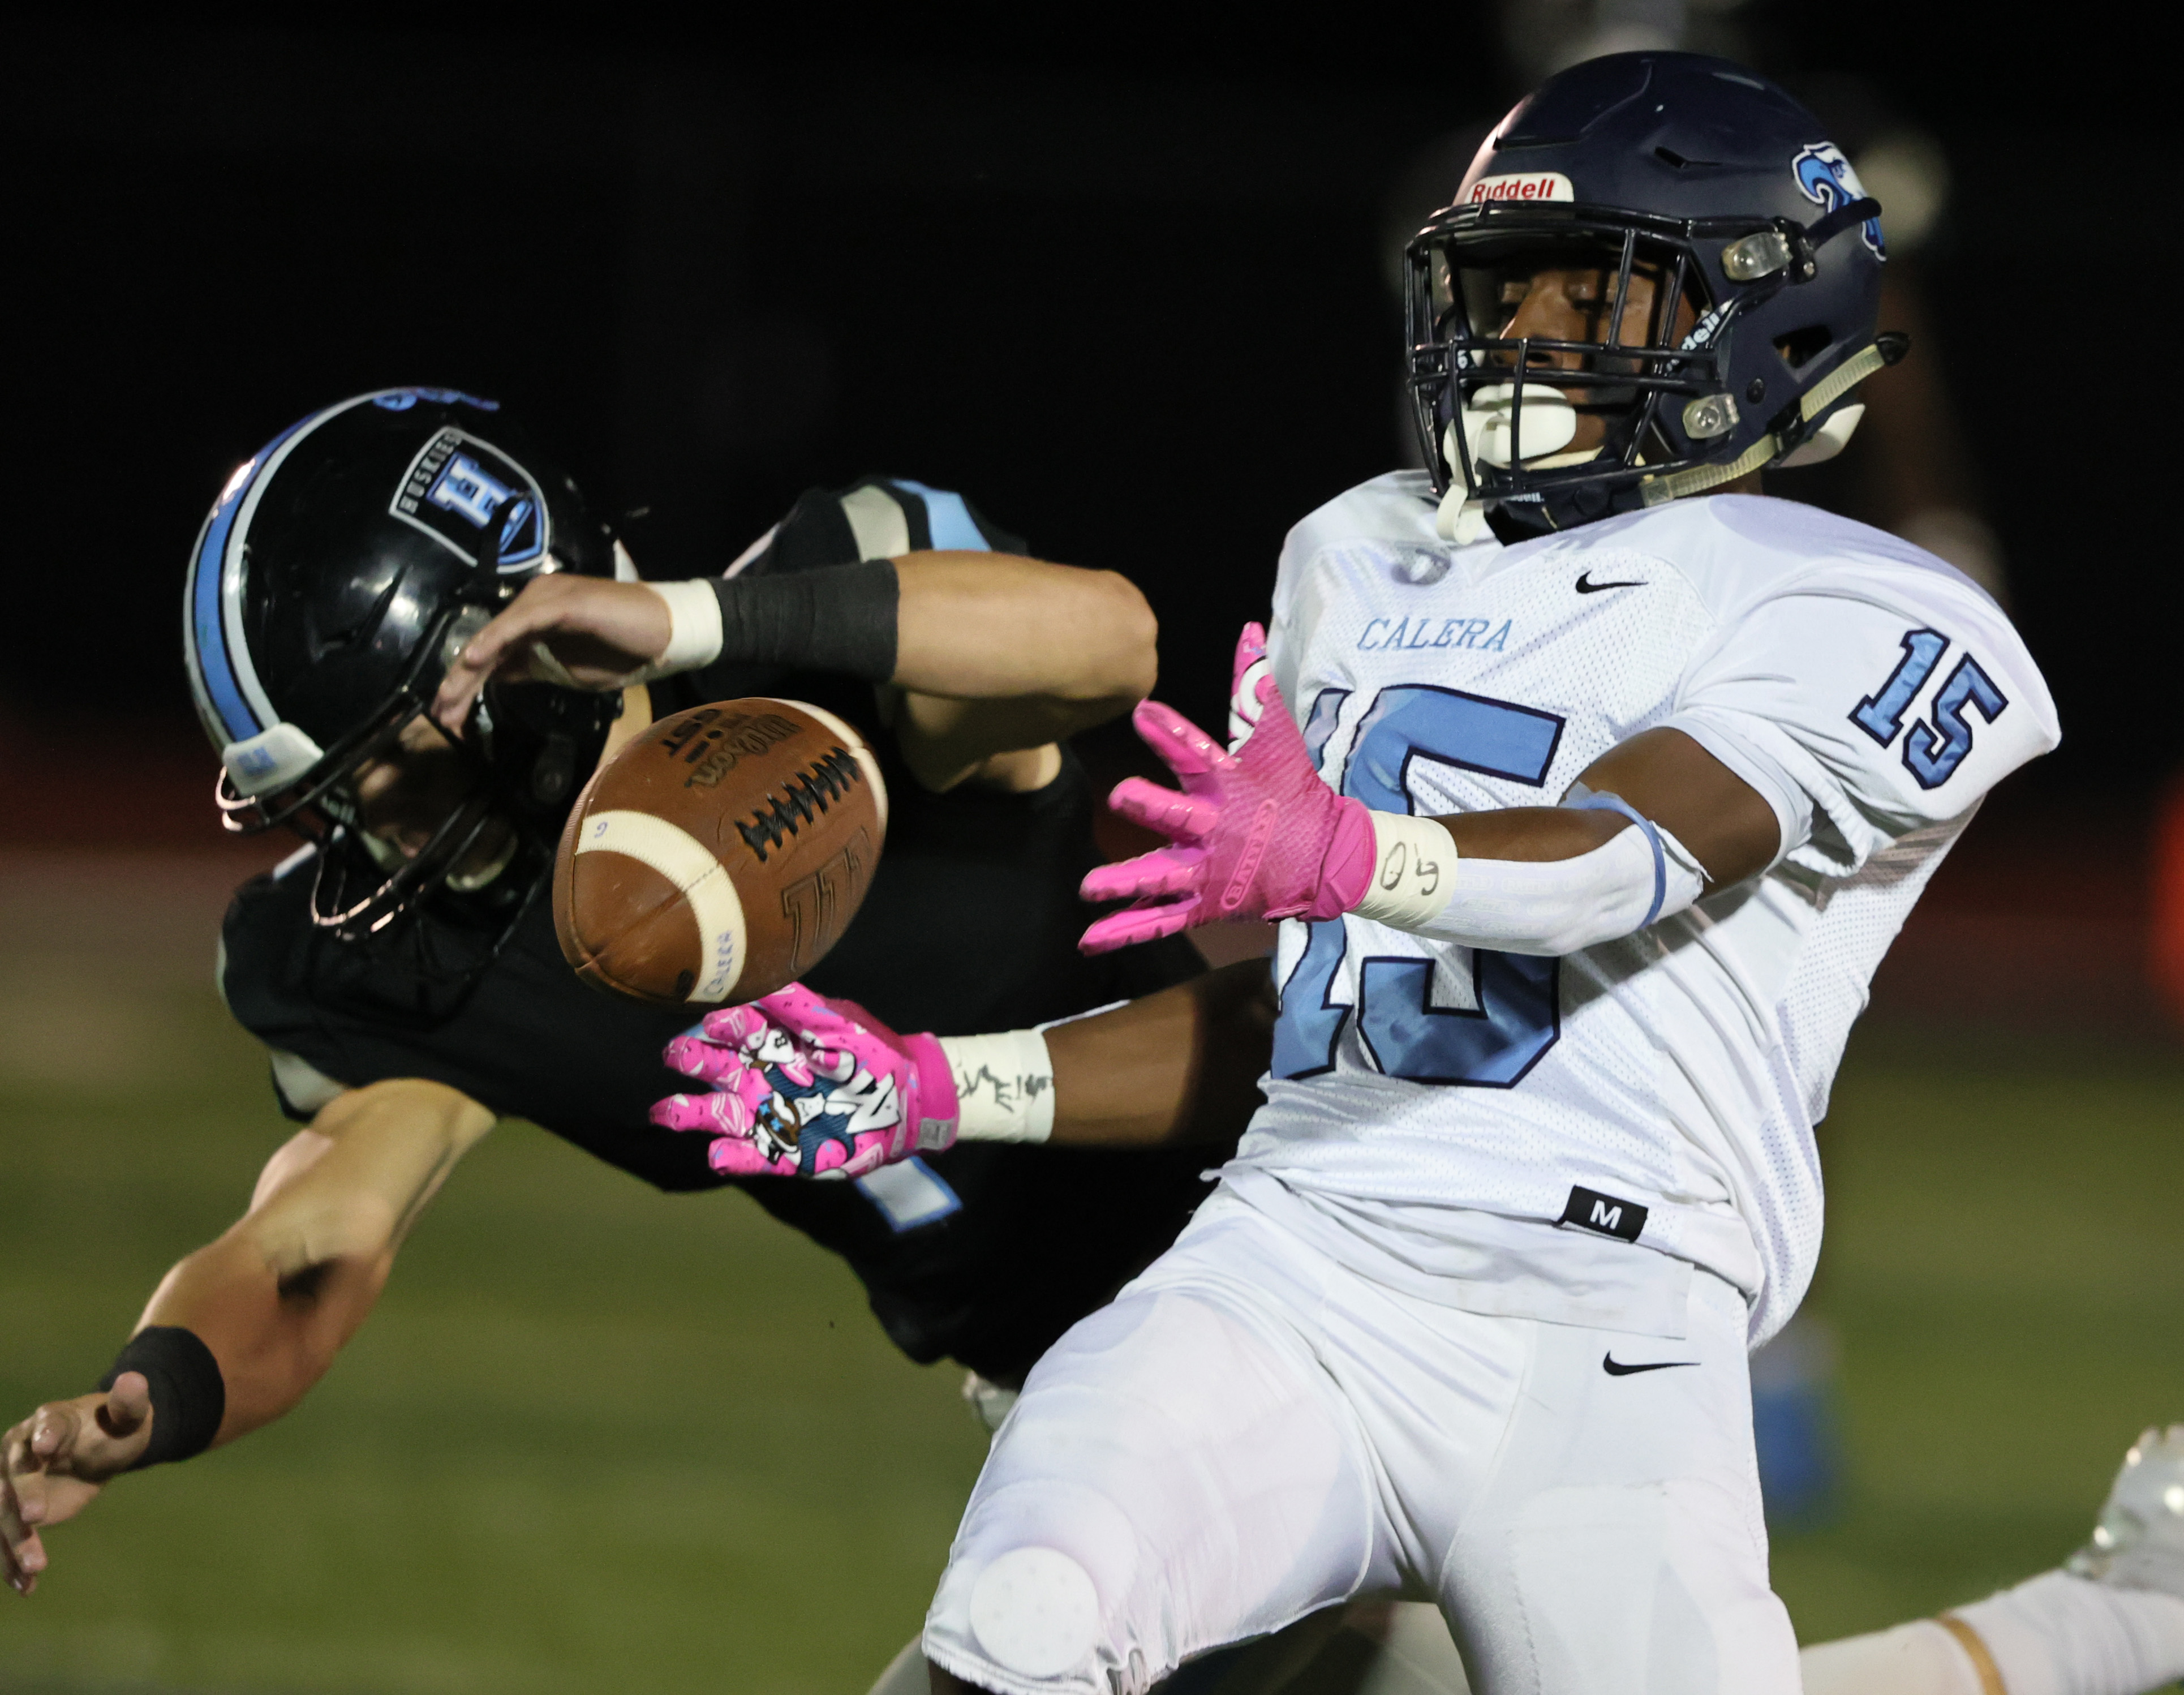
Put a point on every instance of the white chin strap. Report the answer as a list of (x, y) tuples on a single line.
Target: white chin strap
[(1490, 431), (1832, 437)]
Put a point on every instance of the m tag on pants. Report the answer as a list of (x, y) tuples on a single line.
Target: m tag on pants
[(1590, 1210)]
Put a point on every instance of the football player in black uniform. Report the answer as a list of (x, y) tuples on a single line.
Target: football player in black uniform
[(401, 968)]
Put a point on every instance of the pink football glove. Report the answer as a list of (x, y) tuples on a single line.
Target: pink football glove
[(804, 1086), (1256, 834)]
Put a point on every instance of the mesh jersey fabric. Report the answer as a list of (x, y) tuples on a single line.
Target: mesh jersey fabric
[(971, 925), (1681, 1070)]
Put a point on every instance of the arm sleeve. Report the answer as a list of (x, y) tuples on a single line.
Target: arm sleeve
[(1865, 700), (814, 592)]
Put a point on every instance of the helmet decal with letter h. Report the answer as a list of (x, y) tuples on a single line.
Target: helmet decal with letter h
[(340, 569), (1709, 321)]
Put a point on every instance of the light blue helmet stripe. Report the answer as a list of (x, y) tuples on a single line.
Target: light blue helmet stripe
[(947, 518), (222, 677), (211, 668)]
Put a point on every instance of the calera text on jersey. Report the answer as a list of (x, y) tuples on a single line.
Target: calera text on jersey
[(1383, 633)]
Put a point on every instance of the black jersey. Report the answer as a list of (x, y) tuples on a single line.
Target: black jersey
[(985, 1253)]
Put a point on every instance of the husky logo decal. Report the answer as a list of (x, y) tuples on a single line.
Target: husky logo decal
[(460, 491), (1826, 179)]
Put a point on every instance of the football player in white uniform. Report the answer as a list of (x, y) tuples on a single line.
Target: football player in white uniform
[(1589, 809)]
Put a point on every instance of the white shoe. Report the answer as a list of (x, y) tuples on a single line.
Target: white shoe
[(2139, 1543)]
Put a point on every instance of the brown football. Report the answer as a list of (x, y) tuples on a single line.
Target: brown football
[(720, 854)]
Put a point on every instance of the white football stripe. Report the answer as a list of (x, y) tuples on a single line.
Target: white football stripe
[(690, 866)]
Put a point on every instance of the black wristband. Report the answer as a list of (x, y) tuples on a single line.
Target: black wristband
[(840, 618), (189, 1396)]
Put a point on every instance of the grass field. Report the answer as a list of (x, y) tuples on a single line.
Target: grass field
[(600, 1439)]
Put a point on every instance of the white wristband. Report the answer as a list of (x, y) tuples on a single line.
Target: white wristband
[(693, 612), (1414, 870), (1004, 1086), (1544, 907)]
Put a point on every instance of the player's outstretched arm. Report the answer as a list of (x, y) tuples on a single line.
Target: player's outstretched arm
[(1061, 647), (238, 1331), (1257, 832), (802, 1085)]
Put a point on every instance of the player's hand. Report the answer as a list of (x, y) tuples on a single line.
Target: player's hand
[(55, 1463), (580, 632), (1256, 833), (804, 1086)]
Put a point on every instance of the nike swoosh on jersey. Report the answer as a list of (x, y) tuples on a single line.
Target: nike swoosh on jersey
[(1585, 585), (1615, 1367)]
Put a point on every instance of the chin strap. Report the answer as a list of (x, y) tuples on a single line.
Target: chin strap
[(1882, 350)]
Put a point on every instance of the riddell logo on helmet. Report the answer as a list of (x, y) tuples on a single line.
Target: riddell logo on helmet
[(1525, 185)]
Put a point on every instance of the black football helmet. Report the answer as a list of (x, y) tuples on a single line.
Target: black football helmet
[(1759, 242), (342, 568)]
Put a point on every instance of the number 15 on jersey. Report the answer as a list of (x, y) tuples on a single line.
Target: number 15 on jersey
[(1517, 1016)]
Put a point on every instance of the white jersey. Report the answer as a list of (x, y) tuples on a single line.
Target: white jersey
[(1663, 1088)]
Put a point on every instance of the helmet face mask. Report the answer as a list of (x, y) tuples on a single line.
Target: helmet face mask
[(424, 809), (1724, 294), (1647, 347), (342, 569), (320, 799)]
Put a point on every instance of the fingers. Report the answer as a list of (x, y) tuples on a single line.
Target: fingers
[(485, 653), (1186, 749), (18, 1542), (811, 1016), (865, 1154), (740, 1028), (720, 1112), (28, 1450), (1138, 925), (740, 1155), (735, 1156), (708, 1062), (128, 1405), (623, 619), (22, 1554), (832, 1159), (1165, 871), (1173, 814)]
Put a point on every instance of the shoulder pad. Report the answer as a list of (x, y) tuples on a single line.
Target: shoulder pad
[(878, 518)]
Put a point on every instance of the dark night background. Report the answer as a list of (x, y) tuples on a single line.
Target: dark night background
[(1127, 293)]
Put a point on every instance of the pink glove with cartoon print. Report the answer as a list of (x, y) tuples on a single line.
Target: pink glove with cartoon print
[(804, 1086), (1256, 833)]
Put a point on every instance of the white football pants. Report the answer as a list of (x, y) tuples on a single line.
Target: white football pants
[(1253, 1431)]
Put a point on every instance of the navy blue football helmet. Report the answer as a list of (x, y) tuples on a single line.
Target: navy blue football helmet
[(341, 570), (1764, 254)]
